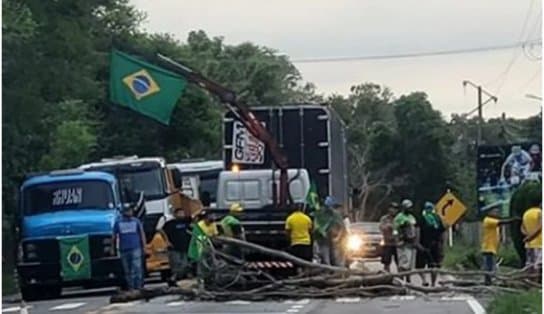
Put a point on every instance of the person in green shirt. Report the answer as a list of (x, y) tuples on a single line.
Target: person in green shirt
[(232, 227), (404, 228)]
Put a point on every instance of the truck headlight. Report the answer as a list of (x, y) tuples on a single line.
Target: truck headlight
[(354, 242)]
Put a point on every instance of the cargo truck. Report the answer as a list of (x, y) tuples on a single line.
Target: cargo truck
[(313, 137)]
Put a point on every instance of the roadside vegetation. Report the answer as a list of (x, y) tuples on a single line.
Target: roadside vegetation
[(529, 302), (463, 256)]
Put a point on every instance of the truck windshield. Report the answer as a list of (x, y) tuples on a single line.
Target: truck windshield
[(68, 195), (150, 181)]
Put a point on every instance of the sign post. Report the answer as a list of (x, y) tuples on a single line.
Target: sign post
[(450, 209)]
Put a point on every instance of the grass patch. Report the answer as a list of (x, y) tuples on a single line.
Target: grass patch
[(464, 256), (8, 283), (529, 302)]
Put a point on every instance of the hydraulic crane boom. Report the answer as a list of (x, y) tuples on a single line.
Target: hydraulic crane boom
[(243, 114)]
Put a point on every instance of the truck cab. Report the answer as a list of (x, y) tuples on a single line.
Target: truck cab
[(150, 176), (263, 222), (205, 173), (63, 205)]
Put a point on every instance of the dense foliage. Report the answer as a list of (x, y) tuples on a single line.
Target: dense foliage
[(56, 113)]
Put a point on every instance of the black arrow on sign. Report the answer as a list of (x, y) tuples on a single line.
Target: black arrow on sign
[(448, 204)]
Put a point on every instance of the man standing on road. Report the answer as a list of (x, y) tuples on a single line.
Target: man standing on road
[(491, 239), (389, 247), (404, 226), (298, 227), (329, 233), (129, 233), (176, 233), (431, 240), (232, 227), (531, 228)]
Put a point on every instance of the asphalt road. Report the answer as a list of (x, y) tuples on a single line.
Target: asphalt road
[(97, 302)]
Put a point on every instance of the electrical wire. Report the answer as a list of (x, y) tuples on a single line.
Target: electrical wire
[(517, 52), (411, 55)]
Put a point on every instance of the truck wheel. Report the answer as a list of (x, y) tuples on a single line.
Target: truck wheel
[(53, 292), (165, 275), (30, 293)]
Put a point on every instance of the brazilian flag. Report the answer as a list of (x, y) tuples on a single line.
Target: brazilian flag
[(144, 87), (312, 198), (75, 257), (199, 240)]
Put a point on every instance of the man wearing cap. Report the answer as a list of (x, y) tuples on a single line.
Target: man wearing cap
[(232, 227), (491, 238), (404, 227), (328, 232), (129, 233), (389, 247)]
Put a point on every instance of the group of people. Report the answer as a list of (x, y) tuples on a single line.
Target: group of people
[(416, 241), (323, 228), (412, 241), (531, 229), (129, 240)]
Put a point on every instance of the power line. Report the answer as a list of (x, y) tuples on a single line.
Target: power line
[(516, 54), (411, 55)]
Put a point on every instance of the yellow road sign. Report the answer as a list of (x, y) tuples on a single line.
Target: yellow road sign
[(450, 208)]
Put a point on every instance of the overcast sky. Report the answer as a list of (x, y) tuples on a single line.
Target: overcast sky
[(305, 29)]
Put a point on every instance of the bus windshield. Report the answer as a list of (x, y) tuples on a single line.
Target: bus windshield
[(67, 195)]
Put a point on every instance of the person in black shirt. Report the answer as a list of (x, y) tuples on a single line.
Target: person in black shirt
[(177, 236), (431, 241)]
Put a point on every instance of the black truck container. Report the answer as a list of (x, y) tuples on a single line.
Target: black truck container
[(312, 136)]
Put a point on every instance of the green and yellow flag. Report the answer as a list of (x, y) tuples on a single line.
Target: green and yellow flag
[(143, 87), (75, 257), (198, 242), (312, 198)]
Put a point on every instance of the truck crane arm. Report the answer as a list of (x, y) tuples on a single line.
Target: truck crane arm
[(243, 114)]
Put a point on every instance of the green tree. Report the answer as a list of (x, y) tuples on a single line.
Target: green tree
[(422, 148)]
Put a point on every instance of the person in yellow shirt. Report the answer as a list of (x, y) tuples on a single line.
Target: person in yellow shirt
[(298, 227), (491, 239), (207, 224), (531, 228)]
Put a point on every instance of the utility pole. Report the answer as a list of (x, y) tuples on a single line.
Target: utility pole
[(481, 103)]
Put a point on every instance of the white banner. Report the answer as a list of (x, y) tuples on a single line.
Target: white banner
[(246, 149)]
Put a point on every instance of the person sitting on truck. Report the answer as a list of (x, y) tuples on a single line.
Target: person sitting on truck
[(176, 233), (232, 227), (207, 224), (129, 233), (298, 227)]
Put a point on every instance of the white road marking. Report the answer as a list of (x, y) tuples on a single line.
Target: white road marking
[(238, 302), (297, 306), (118, 305), (454, 298), (403, 298), (67, 306), (179, 303), (293, 310), (476, 307), (15, 309), (303, 301), (348, 300)]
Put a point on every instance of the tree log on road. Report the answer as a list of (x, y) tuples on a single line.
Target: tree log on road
[(229, 278)]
